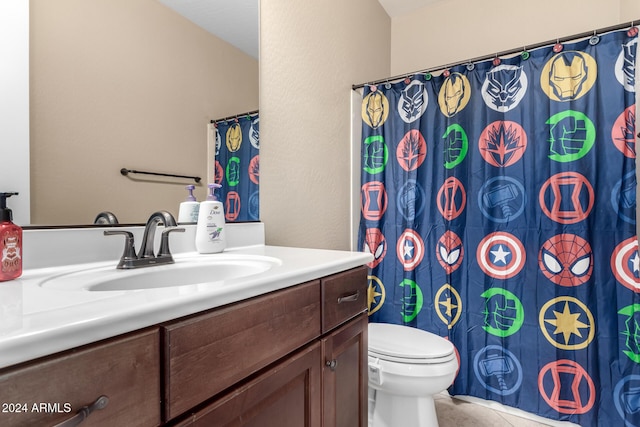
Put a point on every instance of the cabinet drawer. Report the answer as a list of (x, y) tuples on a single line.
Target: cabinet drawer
[(210, 352), (344, 295), (51, 390)]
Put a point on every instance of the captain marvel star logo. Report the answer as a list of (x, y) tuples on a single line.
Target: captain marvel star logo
[(567, 387), (502, 143), (412, 150), (375, 244), (501, 255), (375, 108), (448, 305), (625, 264), (375, 294), (234, 137), (504, 87), (454, 94), (449, 251), (567, 197), (567, 323), (568, 75), (452, 198), (623, 132), (566, 260), (413, 101), (410, 249)]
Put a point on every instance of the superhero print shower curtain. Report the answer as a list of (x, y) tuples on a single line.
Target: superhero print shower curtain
[(499, 202), (237, 166)]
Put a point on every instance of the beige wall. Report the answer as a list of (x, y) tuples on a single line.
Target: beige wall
[(450, 31), (311, 52), (121, 83)]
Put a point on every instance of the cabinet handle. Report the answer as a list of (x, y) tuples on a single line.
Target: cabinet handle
[(84, 412), (349, 298), (331, 364)]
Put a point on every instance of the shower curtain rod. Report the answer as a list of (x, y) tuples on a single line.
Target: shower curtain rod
[(235, 116), (503, 53)]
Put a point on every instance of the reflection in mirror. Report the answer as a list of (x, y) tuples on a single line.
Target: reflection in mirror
[(119, 84)]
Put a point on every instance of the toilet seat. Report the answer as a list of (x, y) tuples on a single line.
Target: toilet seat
[(404, 344)]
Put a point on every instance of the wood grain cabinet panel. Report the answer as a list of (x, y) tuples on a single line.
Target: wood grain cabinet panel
[(344, 378), (344, 296), (210, 352), (51, 390), (286, 395)]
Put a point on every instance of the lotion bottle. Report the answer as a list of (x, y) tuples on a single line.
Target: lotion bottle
[(10, 242), (210, 231), (189, 208)]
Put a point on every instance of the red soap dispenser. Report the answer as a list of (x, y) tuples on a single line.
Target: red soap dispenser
[(10, 242)]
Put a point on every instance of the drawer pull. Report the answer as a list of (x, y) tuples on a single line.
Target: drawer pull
[(331, 364), (84, 412), (349, 298)]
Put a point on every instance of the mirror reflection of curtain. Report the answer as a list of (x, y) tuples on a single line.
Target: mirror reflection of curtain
[(236, 165), (499, 201)]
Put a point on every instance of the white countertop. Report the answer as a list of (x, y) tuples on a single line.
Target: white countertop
[(36, 321)]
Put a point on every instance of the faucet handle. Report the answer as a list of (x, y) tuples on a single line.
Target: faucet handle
[(164, 241), (129, 247)]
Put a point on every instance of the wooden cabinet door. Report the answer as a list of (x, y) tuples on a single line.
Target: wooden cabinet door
[(285, 395), (344, 378), (51, 390), (210, 352)]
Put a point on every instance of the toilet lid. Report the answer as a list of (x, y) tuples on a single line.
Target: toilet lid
[(398, 342)]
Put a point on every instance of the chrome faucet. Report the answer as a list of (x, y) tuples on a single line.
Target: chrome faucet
[(146, 256)]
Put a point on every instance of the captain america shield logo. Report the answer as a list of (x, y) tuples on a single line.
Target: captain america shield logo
[(625, 264), (501, 255), (410, 249)]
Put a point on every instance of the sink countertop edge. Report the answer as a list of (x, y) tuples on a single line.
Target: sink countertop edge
[(94, 316)]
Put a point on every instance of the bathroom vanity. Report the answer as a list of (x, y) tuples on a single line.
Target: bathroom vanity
[(286, 347)]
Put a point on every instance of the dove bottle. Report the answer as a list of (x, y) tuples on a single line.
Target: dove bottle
[(210, 230)]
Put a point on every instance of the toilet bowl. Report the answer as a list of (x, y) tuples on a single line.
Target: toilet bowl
[(407, 366)]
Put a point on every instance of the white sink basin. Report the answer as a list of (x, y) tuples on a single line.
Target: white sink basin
[(211, 270)]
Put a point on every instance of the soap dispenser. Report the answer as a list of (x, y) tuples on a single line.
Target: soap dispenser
[(10, 242), (210, 231), (189, 208)]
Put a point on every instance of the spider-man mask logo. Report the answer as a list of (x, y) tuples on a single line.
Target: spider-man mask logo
[(566, 260)]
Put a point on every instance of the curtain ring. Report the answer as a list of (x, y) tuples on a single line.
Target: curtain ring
[(595, 39), (557, 48)]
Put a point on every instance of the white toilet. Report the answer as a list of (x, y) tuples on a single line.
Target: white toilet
[(407, 366)]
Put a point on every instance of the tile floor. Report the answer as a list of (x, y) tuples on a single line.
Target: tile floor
[(454, 412)]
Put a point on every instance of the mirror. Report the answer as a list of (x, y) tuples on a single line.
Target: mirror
[(119, 84)]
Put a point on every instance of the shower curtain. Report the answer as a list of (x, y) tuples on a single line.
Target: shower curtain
[(237, 166), (499, 200)]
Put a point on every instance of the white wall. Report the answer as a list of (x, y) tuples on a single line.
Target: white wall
[(311, 52), (14, 105)]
